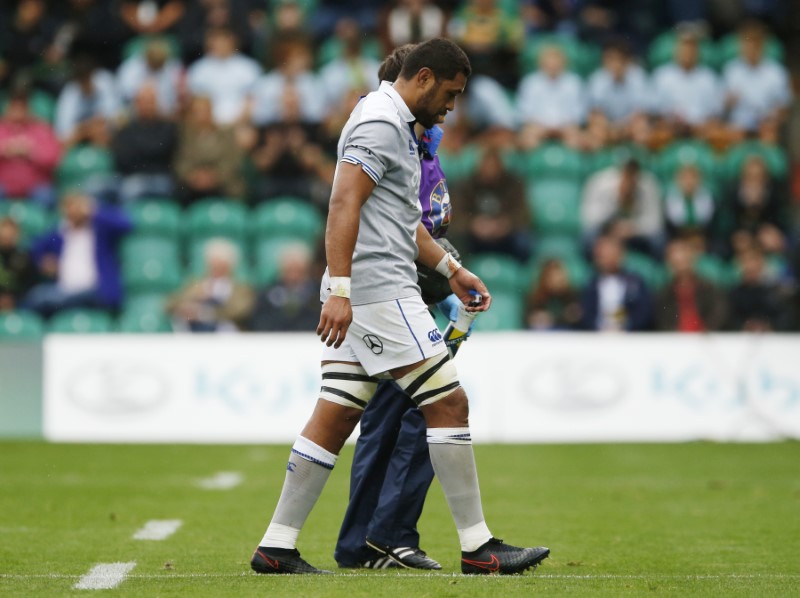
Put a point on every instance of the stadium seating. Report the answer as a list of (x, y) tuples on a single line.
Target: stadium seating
[(286, 217), (662, 51), (157, 217), (562, 247), (498, 272), (41, 104), (81, 321), (714, 270), (728, 49), (555, 206), (144, 314), (84, 165), (138, 44), (616, 155), (505, 313), (461, 165), (32, 218), (578, 270), (20, 325), (267, 255), (774, 157), (150, 264), (552, 160), (197, 265), (217, 217), (581, 58), (652, 272), (687, 152)]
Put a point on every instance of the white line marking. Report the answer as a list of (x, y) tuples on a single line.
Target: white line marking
[(104, 576), (158, 529), (222, 480)]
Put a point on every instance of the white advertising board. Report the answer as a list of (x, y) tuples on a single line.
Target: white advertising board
[(523, 387)]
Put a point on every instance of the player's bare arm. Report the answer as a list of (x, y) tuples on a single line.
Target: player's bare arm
[(351, 189), (462, 281)]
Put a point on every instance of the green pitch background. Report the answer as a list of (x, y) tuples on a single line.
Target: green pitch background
[(689, 519)]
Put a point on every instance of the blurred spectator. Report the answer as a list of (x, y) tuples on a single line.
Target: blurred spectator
[(202, 16), (151, 17), (496, 217), (758, 210), (88, 99), (328, 13), (413, 21), (217, 302), (26, 37), (288, 157), (758, 92), (350, 71), (552, 303), (626, 203), (550, 15), (688, 303), (17, 270), (292, 302), (756, 304), (79, 259), (208, 159), (551, 102), (288, 19), (488, 106), (638, 21), (294, 61), (491, 37), (688, 95), (29, 153), (155, 67), (224, 75), (144, 150), (614, 300), (689, 207), (618, 94), (90, 27)]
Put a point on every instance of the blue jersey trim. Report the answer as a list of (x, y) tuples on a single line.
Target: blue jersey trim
[(421, 352), (367, 168)]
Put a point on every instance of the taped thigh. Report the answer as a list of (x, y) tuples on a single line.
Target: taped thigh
[(347, 384), (431, 381)]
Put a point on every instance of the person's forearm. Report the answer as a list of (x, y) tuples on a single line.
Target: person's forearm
[(430, 253)]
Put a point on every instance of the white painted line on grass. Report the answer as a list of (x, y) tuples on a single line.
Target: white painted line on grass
[(222, 480), (105, 576), (158, 529)]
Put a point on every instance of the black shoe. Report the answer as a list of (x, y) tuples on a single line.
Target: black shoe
[(281, 560), (379, 562), (496, 557), (406, 556)]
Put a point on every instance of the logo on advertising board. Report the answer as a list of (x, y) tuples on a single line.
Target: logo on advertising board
[(117, 389)]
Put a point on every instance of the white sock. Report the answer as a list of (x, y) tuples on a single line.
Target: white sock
[(454, 464), (308, 469)]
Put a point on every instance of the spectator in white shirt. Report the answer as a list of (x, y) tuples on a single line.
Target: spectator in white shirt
[(293, 58), (551, 102), (225, 75), (757, 89), (90, 96), (688, 96), (350, 71), (618, 98), (413, 21), (152, 67)]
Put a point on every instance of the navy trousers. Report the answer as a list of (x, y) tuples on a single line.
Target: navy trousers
[(389, 479)]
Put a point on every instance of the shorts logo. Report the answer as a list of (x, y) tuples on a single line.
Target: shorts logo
[(373, 343), (434, 335)]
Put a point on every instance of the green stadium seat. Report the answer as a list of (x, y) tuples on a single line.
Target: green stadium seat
[(728, 49), (652, 272), (287, 217), (662, 50), (678, 154), (41, 105), (217, 217), (499, 272), (459, 166), (20, 325), (84, 164), (333, 48), (617, 155), (156, 217), (81, 321), (144, 314), (267, 255), (138, 44), (506, 313), (714, 270), (555, 206), (582, 58), (150, 264), (551, 160), (562, 247), (33, 219), (774, 157)]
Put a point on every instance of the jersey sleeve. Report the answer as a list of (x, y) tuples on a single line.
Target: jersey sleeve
[(372, 145)]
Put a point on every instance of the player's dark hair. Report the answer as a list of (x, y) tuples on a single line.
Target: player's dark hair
[(392, 65), (443, 57)]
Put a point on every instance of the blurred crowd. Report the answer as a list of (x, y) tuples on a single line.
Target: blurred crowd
[(613, 165)]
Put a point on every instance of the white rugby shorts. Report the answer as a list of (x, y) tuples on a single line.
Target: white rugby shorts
[(388, 335)]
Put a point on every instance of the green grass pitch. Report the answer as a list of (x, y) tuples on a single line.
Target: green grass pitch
[(675, 520)]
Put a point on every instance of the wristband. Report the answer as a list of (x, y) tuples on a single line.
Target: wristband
[(447, 266), (340, 286)]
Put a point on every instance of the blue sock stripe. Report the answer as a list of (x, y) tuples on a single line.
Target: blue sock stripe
[(312, 459)]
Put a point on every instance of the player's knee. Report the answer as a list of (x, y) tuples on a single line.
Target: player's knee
[(347, 384), (449, 412), (431, 382)]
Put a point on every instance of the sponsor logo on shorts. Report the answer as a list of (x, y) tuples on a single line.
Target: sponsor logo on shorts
[(373, 343), (435, 336)]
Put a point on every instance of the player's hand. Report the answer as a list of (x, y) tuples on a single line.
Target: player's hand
[(464, 281), (335, 319)]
